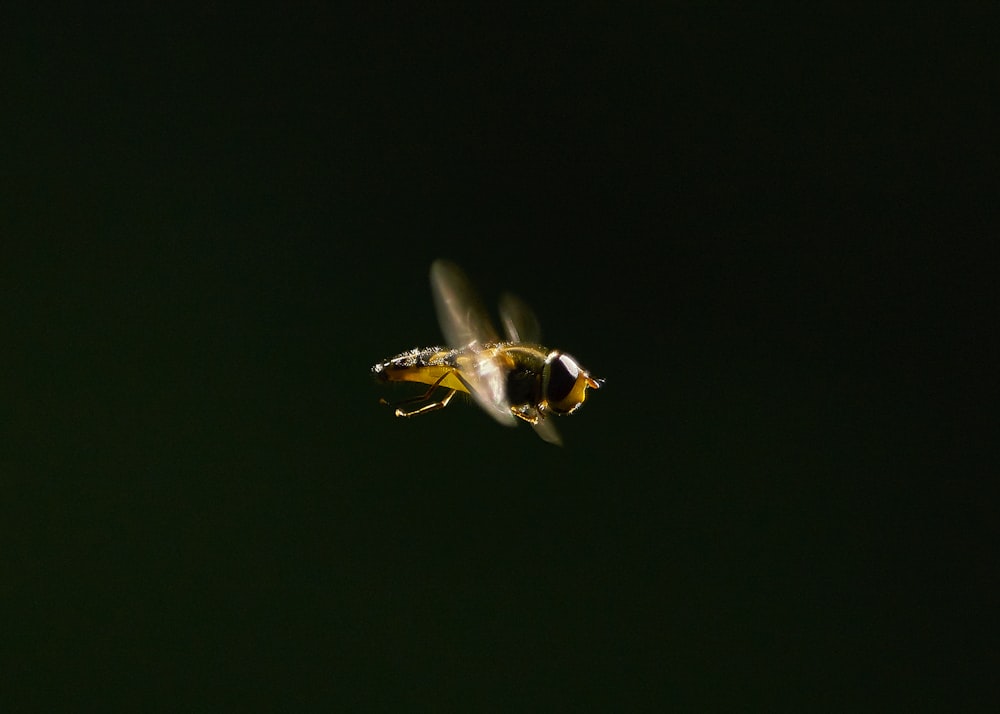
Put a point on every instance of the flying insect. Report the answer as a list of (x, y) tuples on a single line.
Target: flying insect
[(512, 379)]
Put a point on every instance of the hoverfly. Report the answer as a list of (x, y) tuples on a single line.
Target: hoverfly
[(511, 379)]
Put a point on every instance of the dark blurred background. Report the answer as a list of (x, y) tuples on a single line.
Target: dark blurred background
[(758, 226)]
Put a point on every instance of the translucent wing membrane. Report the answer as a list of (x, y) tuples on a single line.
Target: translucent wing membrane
[(546, 429), (466, 324), (520, 324), (460, 312)]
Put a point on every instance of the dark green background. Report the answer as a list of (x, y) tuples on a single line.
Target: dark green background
[(755, 226)]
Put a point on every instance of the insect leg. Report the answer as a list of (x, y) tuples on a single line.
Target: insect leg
[(441, 404), (428, 407)]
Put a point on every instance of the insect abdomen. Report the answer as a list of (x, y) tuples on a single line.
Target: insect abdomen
[(428, 365)]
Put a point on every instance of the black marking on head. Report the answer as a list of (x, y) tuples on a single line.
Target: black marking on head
[(562, 378)]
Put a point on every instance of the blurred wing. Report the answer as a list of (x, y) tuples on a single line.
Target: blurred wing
[(460, 312), (548, 432), (466, 324), (520, 324)]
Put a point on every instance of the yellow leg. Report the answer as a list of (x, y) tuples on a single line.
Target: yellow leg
[(428, 407), (441, 404)]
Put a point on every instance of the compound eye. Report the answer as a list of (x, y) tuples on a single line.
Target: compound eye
[(565, 383), (563, 372)]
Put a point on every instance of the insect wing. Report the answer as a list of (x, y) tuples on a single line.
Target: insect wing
[(466, 325), (546, 429), (520, 324), (460, 312)]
